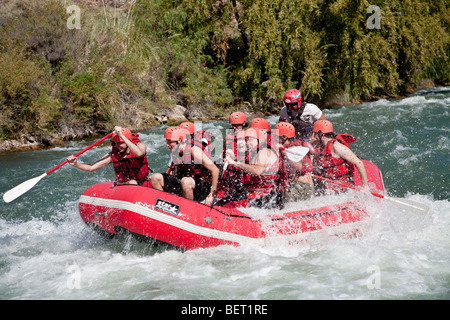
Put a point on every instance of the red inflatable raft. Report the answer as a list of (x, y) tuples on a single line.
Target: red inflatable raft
[(187, 224)]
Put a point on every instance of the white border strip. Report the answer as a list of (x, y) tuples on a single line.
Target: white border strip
[(207, 232), (167, 219)]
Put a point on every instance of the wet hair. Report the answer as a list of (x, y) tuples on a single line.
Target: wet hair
[(329, 135)]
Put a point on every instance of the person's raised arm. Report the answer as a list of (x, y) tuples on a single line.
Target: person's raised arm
[(139, 150)]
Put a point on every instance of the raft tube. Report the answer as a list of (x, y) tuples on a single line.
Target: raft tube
[(182, 223)]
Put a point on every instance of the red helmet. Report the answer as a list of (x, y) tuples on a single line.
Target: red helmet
[(189, 126), (252, 133), (259, 134), (240, 134), (323, 126), (285, 129), (292, 96), (260, 123), (177, 134), (127, 133), (168, 132), (238, 118)]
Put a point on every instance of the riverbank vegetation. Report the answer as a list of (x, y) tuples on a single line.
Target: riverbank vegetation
[(129, 62)]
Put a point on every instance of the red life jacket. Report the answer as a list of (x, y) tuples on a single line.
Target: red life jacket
[(130, 167), (230, 142), (186, 166), (273, 178), (228, 180), (202, 139), (303, 143), (345, 138), (327, 166), (271, 139)]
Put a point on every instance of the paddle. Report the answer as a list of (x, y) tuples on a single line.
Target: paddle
[(27, 185), (400, 202), (296, 154)]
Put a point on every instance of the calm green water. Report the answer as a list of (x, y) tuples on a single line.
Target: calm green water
[(46, 251)]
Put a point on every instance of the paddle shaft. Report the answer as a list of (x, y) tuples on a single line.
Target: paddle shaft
[(404, 203), (81, 152), (345, 185), (19, 190)]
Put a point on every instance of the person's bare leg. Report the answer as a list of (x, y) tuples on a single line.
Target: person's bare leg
[(188, 186), (157, 181)]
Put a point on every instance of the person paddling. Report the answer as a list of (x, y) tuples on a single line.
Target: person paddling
[(334, 160), (128, 156)]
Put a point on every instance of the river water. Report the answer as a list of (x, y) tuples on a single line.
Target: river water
[(47, 252)]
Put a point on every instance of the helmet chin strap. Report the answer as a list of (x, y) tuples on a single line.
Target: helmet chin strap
[(320, 135), (319, 142)]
